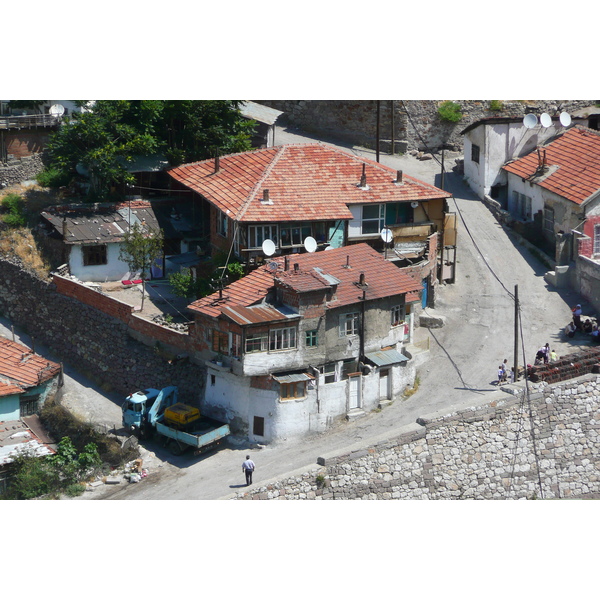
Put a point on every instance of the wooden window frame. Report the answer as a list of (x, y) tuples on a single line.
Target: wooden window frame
[(292, 391), (94, 255)]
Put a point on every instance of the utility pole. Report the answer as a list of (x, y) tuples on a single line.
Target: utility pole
[(442, 185), (393, 151), (516, 353), (377, 146)]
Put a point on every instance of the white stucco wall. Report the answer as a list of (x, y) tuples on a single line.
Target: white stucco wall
[(113, 270), (499, 143), (230, 397)]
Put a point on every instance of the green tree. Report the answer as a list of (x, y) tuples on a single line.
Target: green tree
[(104, 139), (140, 247)]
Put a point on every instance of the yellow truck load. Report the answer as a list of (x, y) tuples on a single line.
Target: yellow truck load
[(181, 415)]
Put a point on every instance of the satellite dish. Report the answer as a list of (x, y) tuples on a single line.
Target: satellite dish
[(414, 204), (530, 121), (329, 248), (565, 119), (310, 244), (386, 235), (57, 110), (268, 247), (545, 120)]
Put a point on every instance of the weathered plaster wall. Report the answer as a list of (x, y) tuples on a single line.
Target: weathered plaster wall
[(547, 446)]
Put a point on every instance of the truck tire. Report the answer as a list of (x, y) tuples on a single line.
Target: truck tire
[(175, 448)]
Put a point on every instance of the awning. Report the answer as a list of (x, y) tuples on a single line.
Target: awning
[(292, 377), (384, 358)]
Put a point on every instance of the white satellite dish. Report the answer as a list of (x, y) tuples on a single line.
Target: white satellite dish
[(329, 248), (546, 120), (57, 110), (414, 204), (310, 244), (268, 247), (565, 119), (530, 121), (386, 235)]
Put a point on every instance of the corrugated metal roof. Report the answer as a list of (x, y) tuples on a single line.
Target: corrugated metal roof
[(260, 112), (252, 315), (292, 377), (383, 358)]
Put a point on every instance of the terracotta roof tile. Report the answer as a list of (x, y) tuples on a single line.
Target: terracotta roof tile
[(306, 182), (21, 367), (315, 271), (575, 157)]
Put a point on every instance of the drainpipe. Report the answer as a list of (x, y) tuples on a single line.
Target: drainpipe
[(361, 355)]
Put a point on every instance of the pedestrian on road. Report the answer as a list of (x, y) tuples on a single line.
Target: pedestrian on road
[(577, 316), (248, 467)]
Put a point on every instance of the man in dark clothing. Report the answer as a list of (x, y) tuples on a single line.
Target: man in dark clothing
[(248, 468)]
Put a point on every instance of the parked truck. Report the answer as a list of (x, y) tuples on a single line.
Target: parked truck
[(157, 412)]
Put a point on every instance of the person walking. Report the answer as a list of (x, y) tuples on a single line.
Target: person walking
[(248, 467)]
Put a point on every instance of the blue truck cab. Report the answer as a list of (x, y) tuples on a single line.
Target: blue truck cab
[(136, 408)]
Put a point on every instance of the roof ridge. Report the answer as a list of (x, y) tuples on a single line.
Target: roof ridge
[(257, 185)]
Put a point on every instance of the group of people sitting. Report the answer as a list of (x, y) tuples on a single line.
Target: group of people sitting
[(588, 326), (545, 355)]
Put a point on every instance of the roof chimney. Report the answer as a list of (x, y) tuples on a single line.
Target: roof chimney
[(363, 177), (286, 265), (398, 176), (217, 164), (65, 228), (347, 265), (296, 267), (361, 279), (265, 199)]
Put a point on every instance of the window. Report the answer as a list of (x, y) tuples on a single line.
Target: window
[(222, 224), (213, 380), (256, 342), (522, 206), (475, 153), (398, 315), (397, 213), (349, 324), (282, 339), (257, 234), (549, 219), (596, 239), (94, 255), (349, 367), (311, 338), (329, 372), (294, 234), (291, 391), (29, 405), (236, 344), (372, 218), (220, 341), (258, 427)]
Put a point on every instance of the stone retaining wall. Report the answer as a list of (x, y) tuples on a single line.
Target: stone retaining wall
[(16, 170), (99, 345), (491, 452), (417, 125)]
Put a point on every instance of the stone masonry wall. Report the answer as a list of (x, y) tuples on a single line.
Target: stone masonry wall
[(101, 346), (16, 170), (417, 125), (492, 452)]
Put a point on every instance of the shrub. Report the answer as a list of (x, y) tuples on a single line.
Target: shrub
[(496, 105), (13, 206), (53, 178), (449, 111)]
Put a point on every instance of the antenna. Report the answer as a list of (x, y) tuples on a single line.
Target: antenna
[(268, 247), (530, 121), (546, 120), (310, 244), (565, 119), (57, 110)]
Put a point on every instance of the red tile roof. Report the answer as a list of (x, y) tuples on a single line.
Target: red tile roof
[(315, 271), (575, 156), (306, 182), (21, 368)]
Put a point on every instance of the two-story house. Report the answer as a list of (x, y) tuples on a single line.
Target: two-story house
[(287, 194), (306, 339)]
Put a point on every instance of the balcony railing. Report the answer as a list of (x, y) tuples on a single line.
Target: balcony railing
[(28, 121)]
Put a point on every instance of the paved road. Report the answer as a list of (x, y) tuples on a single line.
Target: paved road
[(459, 369)]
